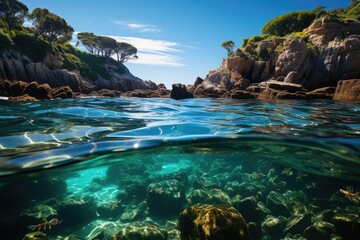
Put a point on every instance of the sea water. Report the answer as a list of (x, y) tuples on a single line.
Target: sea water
[(102, 166)]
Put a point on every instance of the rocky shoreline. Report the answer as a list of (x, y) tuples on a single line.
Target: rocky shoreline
[(321, 64), (292, 67)]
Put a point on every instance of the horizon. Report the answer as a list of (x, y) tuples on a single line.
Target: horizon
[(177, 41)]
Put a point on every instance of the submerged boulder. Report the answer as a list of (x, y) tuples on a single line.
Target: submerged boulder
[(209, 222), (141, 231), (77, 211), (166, 197)]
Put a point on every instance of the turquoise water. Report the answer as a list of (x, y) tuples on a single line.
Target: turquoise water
[(101, 166)]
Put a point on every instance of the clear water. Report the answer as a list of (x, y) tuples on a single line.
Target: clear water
[(71, 159)]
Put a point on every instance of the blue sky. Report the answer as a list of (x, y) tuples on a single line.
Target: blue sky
[(177, 40)]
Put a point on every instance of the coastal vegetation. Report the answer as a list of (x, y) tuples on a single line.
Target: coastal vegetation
[(290, 25), (46, 32)]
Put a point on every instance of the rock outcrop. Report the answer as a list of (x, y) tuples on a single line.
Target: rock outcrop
[(179, 91), (213, 223), (331, 54), (16, 68), (348, 90)]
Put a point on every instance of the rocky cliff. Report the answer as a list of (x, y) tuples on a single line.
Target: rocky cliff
[(290, 67), (16, 67)]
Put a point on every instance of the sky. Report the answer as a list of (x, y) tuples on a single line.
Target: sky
[(177, 40)]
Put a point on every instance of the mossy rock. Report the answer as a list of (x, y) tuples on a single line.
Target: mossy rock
[(210, 222)]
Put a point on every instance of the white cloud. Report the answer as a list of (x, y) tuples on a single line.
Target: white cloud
[(154, 52), (138, 27)]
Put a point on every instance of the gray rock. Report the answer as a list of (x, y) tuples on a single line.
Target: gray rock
[(166, 197), (298, 223), (273, 226), (277, 203), (315, 233), (142, 231), (179, 91)]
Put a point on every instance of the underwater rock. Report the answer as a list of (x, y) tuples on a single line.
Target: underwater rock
[(298, 223), (254, 230), (141, 231), (274, 226), (315, 233), (205, 182), (166, 197), (217, 196), (77, 211), (250, 189), (173, 232), (326, 226), (347, 224), (325, 215), (250, 210), (133, 193), (277, 203), (32, 216), (93, 187), (135, 212), (116, 172), (111, 209), (36, 236), (232, 188), (198, 196), (181, 176), (211, 222)]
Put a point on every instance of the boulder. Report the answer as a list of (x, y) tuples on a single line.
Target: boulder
[(179, 91), (77, 211), (166, 197), (249, 209), (326, 29), (274, 226), (209, 222), (276, 202), (294, 58), (348, 90), (241, 64), (23, 98), (239, 94), (298, 223), (110, 210), (315, 233), (16, 88), (141, 231), (347, 224)]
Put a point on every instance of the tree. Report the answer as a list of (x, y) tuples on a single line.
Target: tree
[(229, 46), (12, 12), (50, 26), (106, 46), (289, 23), (353, 3), (125, 51), (319, 10), (88, 40)]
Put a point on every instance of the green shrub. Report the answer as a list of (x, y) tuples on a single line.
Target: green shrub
[(26, 44), (257, 38), (89, 65), (301, 35), (354, 12), (5, 41), (289, 23)]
